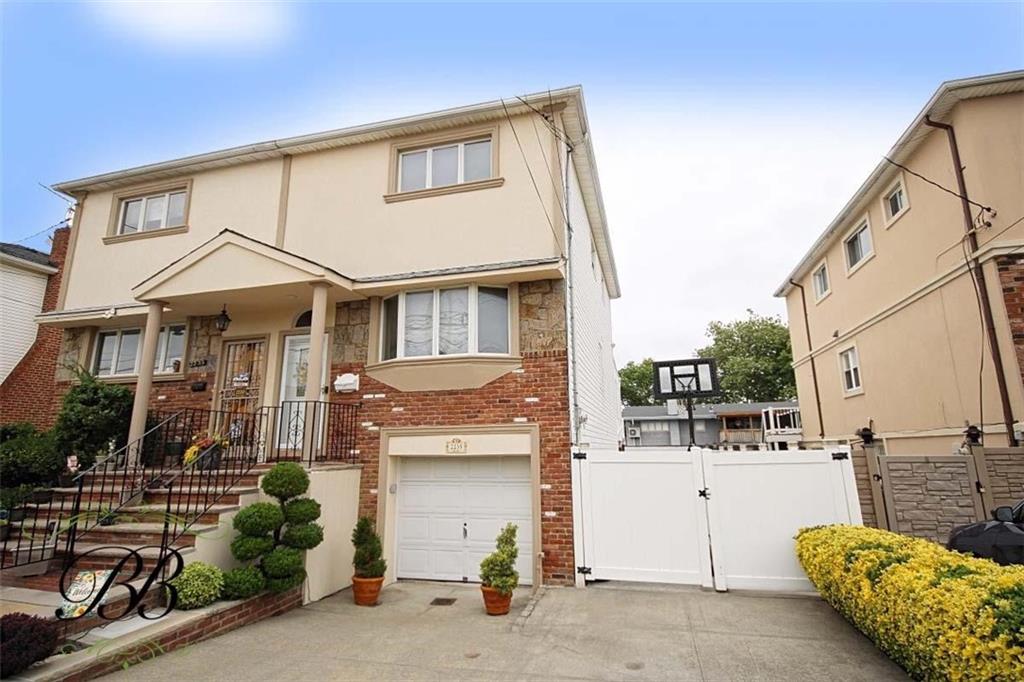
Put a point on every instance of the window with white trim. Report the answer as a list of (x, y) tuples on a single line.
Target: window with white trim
[(849, 365), (152, 212), (857, 246), (447, 164), (469, 320), (117, 351), (895, 201), (820, 280)]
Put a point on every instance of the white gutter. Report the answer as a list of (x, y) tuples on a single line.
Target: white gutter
[(939, 105), (27, 264)]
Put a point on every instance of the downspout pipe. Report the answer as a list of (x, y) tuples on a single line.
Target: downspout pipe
[(810, 352), (979, 276)]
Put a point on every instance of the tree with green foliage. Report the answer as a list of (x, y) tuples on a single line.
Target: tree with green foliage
[(755, 359), (637, 381), (93, 416), (368, 560)]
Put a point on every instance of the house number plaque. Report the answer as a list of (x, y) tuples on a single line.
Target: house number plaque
[(456, 446)]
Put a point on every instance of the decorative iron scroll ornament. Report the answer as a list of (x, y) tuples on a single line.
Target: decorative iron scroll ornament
[(81, 599)]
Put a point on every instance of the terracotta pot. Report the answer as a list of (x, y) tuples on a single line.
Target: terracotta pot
[(366, 590), (496, 603)]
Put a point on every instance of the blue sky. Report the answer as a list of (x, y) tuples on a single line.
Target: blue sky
[(714, 100)]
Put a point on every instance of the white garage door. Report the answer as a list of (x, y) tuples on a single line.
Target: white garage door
[(450, 510)]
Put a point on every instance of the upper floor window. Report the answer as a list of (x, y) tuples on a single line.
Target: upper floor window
[(857, 246), (117, 351), (452, 321), (152, 212), (820, 279), (849, 366), (446, 164), (894, 202)]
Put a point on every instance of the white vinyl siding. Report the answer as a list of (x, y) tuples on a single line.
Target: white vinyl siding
[(22, 299), (597, 378)]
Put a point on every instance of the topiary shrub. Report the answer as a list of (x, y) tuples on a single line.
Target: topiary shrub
[(247, 548), (260, 518), (242, 583), (285, 481), (199, 585), (282, 562), (29, 458), (302, 510), (303, 535), (498, 569), (93, 416), (278, 585), (368, 560), (25, 640)]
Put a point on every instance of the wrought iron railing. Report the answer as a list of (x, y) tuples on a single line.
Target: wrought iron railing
[(309, 432)]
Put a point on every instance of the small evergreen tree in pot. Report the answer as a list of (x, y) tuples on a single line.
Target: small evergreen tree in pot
[(498, 573), (368, 562)]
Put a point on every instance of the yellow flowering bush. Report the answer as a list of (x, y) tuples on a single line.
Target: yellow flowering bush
[(940, 614)]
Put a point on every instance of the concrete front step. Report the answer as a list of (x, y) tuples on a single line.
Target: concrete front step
[(195, 496), (97, 556)]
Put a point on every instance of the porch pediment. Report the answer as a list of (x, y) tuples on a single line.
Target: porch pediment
[(232, 263)]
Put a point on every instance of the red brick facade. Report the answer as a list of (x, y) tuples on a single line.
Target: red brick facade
[(29, 392), (1011, 279)]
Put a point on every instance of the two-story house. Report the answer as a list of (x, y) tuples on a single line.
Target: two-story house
[(907, 313), (451, 273)]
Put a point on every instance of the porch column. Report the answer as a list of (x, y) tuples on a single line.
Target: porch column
[(142, 389), (314, 371)]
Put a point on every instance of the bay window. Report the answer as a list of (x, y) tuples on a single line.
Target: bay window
[(445, 321), (117, 351)]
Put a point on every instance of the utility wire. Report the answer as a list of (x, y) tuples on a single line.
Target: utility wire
[(36, 234), (981, 325), (551, 126), (554, 185), (55, 193), (944, 189), (533, 180)]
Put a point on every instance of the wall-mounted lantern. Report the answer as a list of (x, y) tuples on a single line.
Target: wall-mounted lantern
[(223, 321)]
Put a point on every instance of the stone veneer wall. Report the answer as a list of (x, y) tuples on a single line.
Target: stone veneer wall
[(544, 375), (928, 496), (1005, 468)]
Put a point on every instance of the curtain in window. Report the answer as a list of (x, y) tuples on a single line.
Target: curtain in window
[(453, 322), (419, 323), (492, 333)]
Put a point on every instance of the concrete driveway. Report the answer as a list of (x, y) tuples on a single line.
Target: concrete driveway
[(606, 632)]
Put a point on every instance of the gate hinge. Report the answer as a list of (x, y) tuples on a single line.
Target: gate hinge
[(583, 570), (840, 455), (705, 493), (579, 455)]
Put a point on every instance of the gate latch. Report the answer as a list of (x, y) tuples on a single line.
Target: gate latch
[(583, 570), (705, 493), (840, 455)]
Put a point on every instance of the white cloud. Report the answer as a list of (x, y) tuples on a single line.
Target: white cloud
[(712, 203), (214, 26)]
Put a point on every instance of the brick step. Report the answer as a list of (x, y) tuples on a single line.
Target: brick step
[(108, 557), (195, 496), (154, 513)]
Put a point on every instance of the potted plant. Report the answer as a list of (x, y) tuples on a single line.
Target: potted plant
[(211, 446), (12, 500), (106, 516), (66, 478), (368, 563), (498, 573)]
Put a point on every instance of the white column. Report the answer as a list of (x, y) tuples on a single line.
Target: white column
[(145, 383), (315, 370)]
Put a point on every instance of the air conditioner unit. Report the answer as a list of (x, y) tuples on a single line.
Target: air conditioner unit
[(633, 432)]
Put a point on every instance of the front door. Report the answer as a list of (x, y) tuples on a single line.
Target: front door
[(296, 390), (241, 384)]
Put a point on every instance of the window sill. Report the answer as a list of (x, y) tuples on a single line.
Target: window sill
[(134, 378), (858, 266), (162, 232), (447, 189), (443, 373), (821, 298), (854, 393), (892, 221)]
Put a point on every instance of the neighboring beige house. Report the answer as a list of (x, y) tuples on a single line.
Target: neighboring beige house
[(433, 271), (886, 325), (24, 273)]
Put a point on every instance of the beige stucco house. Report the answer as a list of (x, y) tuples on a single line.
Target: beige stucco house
[(450, 274), (887, 322)]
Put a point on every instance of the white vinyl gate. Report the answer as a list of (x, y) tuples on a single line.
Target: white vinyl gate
[(715, 518)]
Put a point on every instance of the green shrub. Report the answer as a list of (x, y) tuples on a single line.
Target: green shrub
[(11, 498), (93, 415), (242, 583), (498, 570), (282, 562), (303, 535), (278, 585), (939, 614), (30, 458), (199, 585), (259, 518), (367, 561), (15, 429), (25, 640), (247, 548), (301, 510), (285, 481)]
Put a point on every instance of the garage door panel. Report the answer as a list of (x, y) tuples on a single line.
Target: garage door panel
[(436, 496)]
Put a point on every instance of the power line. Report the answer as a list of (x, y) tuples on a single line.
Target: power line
[(554, 131), (36, 234), (55, 193), (944, 189)]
